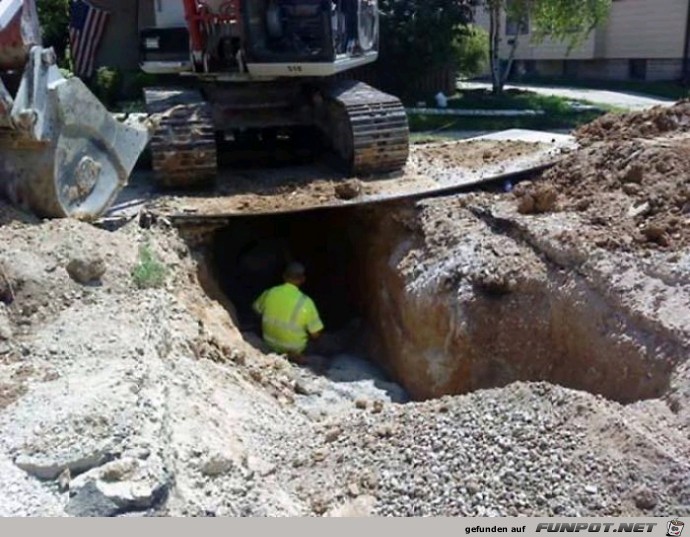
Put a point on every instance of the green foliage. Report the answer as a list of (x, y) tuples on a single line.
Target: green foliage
[(440, 124), (131, 107), (512, 99), (566, 21), (418, 36), (107, 84), (149, 272), (558, 112), (141, 80), (472, 51), (54, 18)]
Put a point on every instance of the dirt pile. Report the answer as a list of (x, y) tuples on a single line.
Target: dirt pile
[(630, 182), (636, 194), (657, 121), (109, 404), (472, 155)]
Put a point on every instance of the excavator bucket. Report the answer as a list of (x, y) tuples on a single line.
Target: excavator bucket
[(62, 154)]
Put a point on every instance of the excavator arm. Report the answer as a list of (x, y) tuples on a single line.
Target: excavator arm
[(62, 154)]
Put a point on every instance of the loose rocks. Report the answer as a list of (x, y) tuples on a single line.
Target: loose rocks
[(86, 267), (124, 485), (5, 328), (539, 198), (348, 190)]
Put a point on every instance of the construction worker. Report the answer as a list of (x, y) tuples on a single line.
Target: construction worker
[(289, 318)]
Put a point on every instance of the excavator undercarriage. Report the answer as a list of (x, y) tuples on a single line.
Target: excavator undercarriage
[(267, 67), (366, 128)]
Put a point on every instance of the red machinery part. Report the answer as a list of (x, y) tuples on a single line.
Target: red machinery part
[(198, 15), (19, 31)]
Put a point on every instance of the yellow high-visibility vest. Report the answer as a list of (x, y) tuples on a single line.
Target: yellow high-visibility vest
[(288, 316)]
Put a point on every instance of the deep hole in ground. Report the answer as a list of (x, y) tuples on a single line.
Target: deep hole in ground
[(352, 281), (250, 255)]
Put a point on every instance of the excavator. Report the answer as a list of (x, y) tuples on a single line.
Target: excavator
[(62, 154), (265, 69), (227, 71), (268, 70)]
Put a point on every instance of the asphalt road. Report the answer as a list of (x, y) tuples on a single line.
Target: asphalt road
[(629, 101)]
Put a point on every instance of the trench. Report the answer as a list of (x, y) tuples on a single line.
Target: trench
[(431, 345), (249, 255)]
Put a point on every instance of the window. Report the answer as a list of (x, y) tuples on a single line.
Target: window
[(637, 69)]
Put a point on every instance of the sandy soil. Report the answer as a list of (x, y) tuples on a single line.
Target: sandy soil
[(431, 167), (651, 123)]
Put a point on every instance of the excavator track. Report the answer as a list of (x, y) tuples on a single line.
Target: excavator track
[(183, 145), (368, 128)]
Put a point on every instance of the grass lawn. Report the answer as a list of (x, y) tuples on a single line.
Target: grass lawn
[(558, 112)]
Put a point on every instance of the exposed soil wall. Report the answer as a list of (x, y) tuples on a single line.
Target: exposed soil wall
[(466, 296)]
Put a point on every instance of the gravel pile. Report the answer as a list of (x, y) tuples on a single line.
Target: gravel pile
[(528, 449)]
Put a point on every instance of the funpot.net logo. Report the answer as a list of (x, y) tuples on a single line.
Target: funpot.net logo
[(674, 528)]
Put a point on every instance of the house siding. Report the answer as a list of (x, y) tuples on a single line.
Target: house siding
[(650, 30), (646, 29), (664, 69)]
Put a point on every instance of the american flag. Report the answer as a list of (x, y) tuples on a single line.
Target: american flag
[(86, 27)]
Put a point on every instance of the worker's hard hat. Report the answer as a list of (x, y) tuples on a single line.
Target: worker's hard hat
[(295, 270)]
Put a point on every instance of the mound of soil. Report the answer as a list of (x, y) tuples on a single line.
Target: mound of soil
[(636, 193), (656, 121), (630, 180)]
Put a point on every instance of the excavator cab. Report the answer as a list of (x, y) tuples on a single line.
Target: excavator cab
[(261, 38)]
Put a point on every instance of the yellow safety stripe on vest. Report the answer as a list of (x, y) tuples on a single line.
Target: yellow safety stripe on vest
[(279, 323), (296, 347), (298, 308)]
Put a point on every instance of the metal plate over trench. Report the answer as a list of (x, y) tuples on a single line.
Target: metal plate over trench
[(303, 188)]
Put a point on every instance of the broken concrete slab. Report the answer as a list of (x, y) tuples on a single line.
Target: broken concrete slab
[(48, 468), (88, 501), (119, 486)]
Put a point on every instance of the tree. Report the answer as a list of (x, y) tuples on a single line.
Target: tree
[(472, 51), (567, 21), (54, 18), (418, 36)]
